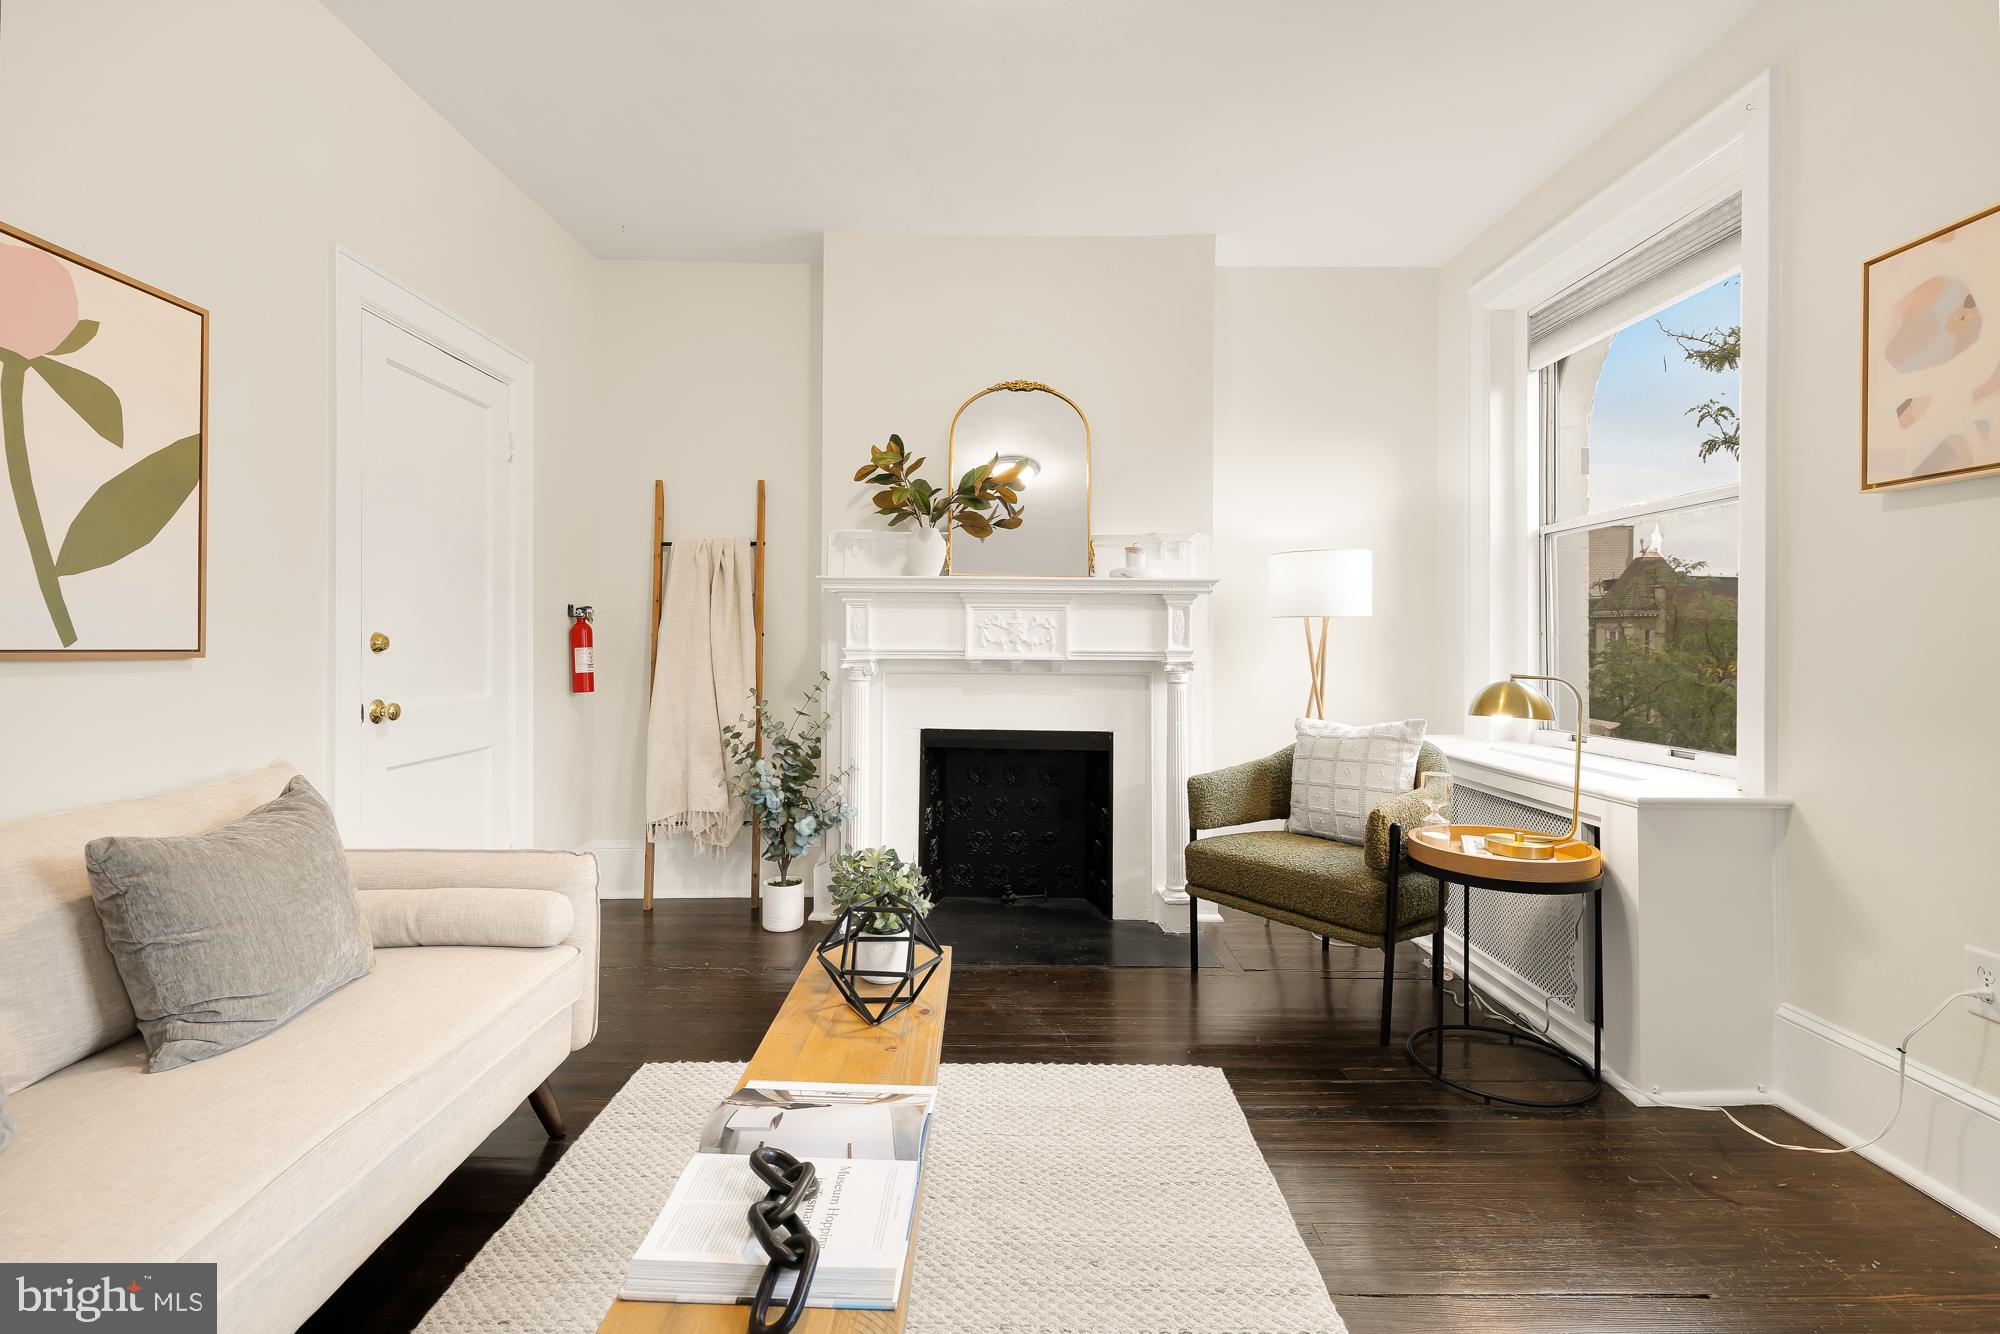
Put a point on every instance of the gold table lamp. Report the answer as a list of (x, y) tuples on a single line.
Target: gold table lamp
[(1511, 699)]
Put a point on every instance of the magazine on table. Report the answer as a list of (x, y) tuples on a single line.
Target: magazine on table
[(866, 1145)]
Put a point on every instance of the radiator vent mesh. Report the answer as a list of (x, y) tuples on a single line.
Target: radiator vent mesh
[(1532, 935)]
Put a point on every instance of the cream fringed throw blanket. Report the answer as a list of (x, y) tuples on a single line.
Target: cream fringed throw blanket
[(702, 682)]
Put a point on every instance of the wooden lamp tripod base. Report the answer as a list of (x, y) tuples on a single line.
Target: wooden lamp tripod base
[(1315, 667)]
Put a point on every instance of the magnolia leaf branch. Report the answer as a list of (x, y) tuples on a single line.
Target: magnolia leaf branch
[(970, 505)]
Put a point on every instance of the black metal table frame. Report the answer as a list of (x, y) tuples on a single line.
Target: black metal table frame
[(1593, 1072)]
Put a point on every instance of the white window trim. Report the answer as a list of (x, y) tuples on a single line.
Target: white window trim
[(1726, 152)]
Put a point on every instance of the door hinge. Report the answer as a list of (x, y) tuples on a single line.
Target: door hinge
[(510, 446)]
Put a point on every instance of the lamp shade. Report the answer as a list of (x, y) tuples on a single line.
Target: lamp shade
[(1511, 699), (1323, 583)]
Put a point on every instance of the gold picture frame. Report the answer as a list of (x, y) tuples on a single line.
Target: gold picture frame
[(952, 467), (1927, 414), (133, 490)]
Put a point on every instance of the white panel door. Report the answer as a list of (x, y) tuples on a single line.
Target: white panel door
[(436, 760)]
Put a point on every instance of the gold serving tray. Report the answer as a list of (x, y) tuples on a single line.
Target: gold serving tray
[(1572, 861)]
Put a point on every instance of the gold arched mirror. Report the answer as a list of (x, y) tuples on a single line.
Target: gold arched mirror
[(1046, 432)]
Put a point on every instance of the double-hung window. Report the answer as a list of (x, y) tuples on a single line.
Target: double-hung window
[(1636, 375)]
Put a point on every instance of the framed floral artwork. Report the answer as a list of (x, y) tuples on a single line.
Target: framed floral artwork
[(103, 441), (1930, 363)]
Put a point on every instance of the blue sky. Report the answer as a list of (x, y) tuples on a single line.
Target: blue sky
[(1644, 447)]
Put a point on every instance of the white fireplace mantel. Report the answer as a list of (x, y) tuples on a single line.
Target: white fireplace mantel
[(1124, 656)]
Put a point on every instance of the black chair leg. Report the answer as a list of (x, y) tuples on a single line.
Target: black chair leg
[(1389, 928), (1194, 934), (1437, 936), (1194, 919), (1324, 945)]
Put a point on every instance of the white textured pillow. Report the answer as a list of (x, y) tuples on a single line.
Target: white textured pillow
[(7, 1122), (1340, 773), (520, 918)]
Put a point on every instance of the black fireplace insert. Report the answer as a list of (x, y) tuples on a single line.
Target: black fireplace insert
[(1014, 815)]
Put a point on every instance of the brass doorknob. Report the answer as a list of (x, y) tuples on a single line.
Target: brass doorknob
[(378, 712), (378, 642)]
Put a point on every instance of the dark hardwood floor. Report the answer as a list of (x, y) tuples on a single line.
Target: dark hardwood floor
[(1426, 1210)]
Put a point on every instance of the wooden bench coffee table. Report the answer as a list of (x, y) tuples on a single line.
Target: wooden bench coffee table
[(816, 1039)]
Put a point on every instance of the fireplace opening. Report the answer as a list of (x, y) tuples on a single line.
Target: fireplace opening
[(1014, 815)]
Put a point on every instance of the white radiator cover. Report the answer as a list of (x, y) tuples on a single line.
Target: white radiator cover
[(1690, 920)]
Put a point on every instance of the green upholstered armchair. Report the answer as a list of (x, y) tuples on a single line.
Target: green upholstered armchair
[(1362, 895)]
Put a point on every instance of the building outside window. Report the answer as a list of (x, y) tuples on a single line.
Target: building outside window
[(1640, 531)]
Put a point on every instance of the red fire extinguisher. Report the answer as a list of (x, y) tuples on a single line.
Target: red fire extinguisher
[(582, 653)]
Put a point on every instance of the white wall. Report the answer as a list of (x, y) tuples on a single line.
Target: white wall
[(708, 382), (1325, 435), (913, 326), (220, 151), (1885, 129)]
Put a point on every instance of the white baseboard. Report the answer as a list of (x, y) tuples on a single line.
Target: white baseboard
[(1947, 1141), (679, 874), (621, 867), (1170, 910)]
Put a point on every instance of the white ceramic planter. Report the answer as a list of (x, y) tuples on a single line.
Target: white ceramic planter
[(784, 905), (881, 955), (925, 554)]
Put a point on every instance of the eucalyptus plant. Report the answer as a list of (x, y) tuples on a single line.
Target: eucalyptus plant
[(859, 876), (796, 800), (904, 496)]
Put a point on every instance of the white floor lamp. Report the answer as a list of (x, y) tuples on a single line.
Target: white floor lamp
[(1319, 585)]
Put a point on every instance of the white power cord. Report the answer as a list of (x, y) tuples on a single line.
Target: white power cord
[(1902, 1083), (1902, 1069)]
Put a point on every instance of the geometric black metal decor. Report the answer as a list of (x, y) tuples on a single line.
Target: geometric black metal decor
[(880, 972)]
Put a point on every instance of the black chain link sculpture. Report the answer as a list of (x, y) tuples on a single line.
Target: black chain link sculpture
[(775, 1223), (875, 990)]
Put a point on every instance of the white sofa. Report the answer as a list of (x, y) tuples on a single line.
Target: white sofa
[(287, 1161)]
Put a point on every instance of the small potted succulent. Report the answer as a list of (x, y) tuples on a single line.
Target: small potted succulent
[(884, 943), (905, 497), (797, 803)]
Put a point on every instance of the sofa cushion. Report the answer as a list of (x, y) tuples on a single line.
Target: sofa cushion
[(571, 874), (520, 918), (224, 936), (220, 1160), (7, 1122), (60, 995), (1311, 877)]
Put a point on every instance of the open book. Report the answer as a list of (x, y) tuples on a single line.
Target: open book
[(866, 1142)]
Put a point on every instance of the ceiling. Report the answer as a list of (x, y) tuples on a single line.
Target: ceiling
[(1315, 132)]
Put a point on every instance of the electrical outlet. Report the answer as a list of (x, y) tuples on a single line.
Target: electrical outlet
[(1982, 969)]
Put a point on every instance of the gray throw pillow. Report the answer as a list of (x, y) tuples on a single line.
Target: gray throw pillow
[(222, 937)]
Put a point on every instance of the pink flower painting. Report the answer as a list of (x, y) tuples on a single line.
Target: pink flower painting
[(37, 301), (42, 331)]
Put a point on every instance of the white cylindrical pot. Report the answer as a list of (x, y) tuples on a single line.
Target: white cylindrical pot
[(784, 905), (881, 955), (925, 554)]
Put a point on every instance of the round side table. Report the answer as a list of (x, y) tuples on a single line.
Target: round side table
[(1577, 868)]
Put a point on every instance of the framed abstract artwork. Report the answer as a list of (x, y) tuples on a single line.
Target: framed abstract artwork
[(1930, 363), (104, 444)]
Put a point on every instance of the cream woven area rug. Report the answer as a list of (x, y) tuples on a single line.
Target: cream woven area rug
[(1095, 1199)]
